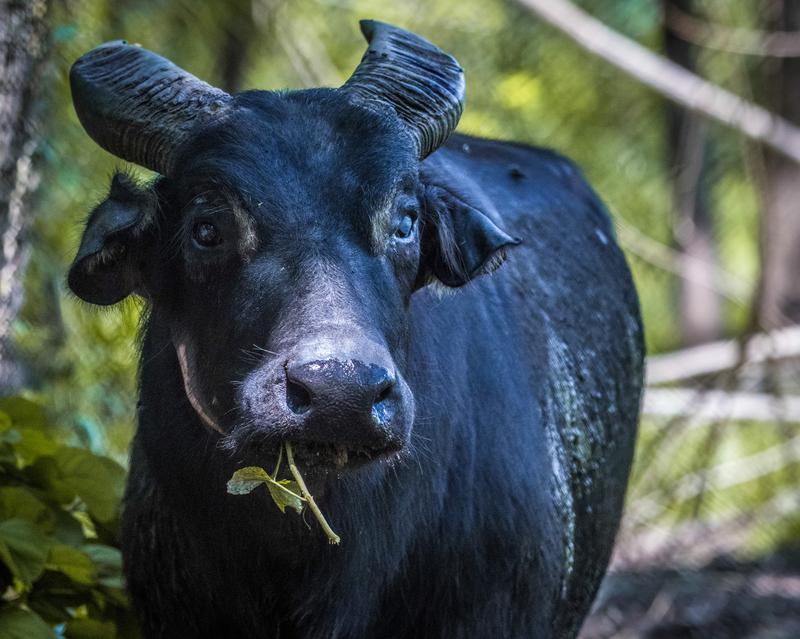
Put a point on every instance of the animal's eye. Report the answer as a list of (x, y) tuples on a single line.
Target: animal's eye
[(406, 226), (206, 235)]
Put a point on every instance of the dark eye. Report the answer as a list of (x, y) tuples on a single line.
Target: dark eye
[(406, 226), (206, 235)]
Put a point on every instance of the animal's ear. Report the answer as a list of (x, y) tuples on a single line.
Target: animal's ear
[(109, 263), (459, 241)]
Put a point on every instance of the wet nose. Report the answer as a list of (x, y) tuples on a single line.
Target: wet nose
[(340, 389)]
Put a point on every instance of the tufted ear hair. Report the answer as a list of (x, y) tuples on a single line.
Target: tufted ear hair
[(110, 259), (459, 241)]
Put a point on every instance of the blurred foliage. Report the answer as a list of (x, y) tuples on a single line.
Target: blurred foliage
[(738, 479), (60, 568), (524, 82)]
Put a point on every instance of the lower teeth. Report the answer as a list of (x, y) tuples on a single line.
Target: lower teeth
[(341, 456)]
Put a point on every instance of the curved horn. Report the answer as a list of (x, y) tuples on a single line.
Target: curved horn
[(424, 85), (140, 106)]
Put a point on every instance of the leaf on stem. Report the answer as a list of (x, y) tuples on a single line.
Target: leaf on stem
[(285, 492)]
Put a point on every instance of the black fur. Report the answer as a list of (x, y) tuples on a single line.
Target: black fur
[(498, 516)]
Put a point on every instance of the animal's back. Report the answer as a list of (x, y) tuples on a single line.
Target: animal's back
[(559, 322)]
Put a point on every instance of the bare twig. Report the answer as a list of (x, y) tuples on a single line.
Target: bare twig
[(741, 470), (669, 79), (715, 357), (726, 475), (682, 264), (647, 544), (716, 405), (774, 44)]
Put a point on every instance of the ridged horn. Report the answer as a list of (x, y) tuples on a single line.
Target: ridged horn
[(424, 85), (140, 106)]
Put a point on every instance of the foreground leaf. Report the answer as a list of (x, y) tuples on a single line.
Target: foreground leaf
[(21, 503), (24, 548), (73, 563), (23, 413), (90, 629), (5, 422), (71, 472), (16, 623), (34, 443), (108, 562)]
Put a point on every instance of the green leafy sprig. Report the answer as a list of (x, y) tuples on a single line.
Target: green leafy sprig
[(284, 492)]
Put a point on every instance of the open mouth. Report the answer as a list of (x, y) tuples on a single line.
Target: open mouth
[(257, 448), (318, 455)]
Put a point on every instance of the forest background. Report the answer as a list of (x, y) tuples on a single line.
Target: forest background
[(705, 208)]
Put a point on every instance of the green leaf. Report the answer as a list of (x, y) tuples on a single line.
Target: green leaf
[(23, 412), (90, 629), (53, 597), (5, 421), (7, 559), (285, 493), (19, 502), (68, 529), (71, 472), (84, 520), (98, 481), (108, 562), (247, 479), (16, 623), (75, 564), (34, 442), (7, 455), (24, 548)]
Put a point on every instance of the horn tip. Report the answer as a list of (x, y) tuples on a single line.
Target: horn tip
[(367, 28), (102, 50), (373, 28)]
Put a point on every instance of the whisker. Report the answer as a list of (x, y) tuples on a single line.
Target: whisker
[(264, 350)]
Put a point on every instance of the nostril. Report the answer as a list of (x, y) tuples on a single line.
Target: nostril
[(383, 409), (383, 395), (298, 399)]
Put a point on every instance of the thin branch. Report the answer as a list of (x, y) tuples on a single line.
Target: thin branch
[(720, 405), (726, 475), (669, 79), (646, 543), (736, 472), (684, 265), (773, 44), (715, 357)]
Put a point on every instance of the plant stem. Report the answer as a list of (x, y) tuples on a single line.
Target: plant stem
[(332, 536), (278, 464)]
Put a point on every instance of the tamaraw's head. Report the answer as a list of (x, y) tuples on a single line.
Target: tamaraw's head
[(285, 236)]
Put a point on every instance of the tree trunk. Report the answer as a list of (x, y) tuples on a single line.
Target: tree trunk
[(22, 43), (238, 31), (699, 306), (780, 285)]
